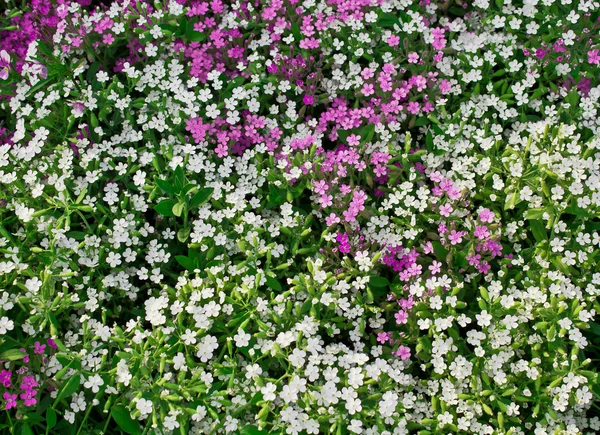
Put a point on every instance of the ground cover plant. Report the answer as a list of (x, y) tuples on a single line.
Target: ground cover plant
[(299, 217)]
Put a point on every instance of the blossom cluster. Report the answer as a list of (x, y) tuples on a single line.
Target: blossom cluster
[(375, 217)]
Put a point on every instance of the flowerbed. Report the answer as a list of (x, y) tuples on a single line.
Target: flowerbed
[(286, 217)]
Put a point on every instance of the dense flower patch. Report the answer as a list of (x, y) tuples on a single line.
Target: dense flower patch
[(300, 217)]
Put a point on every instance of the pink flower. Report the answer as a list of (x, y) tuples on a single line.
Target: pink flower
[(481, 232), (4, 64), (401, 317), (308, 100), (368, 89), (445, 210), (332, 219), (455, 237), (383, 337), (435, 267), (403, 352), (594, 57), (486, 215), (353, 140), (393, 41)]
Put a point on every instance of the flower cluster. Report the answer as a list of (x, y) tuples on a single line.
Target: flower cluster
[(269, 217)]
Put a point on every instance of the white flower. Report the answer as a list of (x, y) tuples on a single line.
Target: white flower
[(483, 319), (144, 406), (268, 391), (33, 284), (94, 382), (253, 370), (6, 325), (241, 338)]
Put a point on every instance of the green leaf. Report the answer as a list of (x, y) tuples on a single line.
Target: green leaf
[(183, 234), (534, 213), (123, 418), (296, 32), (50, 417), (388, 20), (253, 430), (166, 186), (71, 386), (168, 27), (378, 281), (182, 27), (429, 140), (12, 355), (179, 178), (26, 430), (511, 201), (420, 122), (195, 36), (560, 265), (367, 133), (186, 262), (178, 209), (538, 230), (201, 197), (165, 207), (273, 283)]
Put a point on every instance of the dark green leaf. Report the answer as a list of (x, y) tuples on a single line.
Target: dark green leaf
[(388, 20), (538, 230), (195, 36), (296, 32), (70, 387), (26, 430), (166, 186), (273, 283), (378, 281), (420, 122), (179, 178), (165, 207), (253, 430), (168, 27), (123, 418), (201, 197), (50, 417), (182, 27), (185, 262), (429, 140)]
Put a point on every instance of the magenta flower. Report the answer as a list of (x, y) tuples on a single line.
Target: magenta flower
[(5, 376), (11, 400), (39, 348)]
